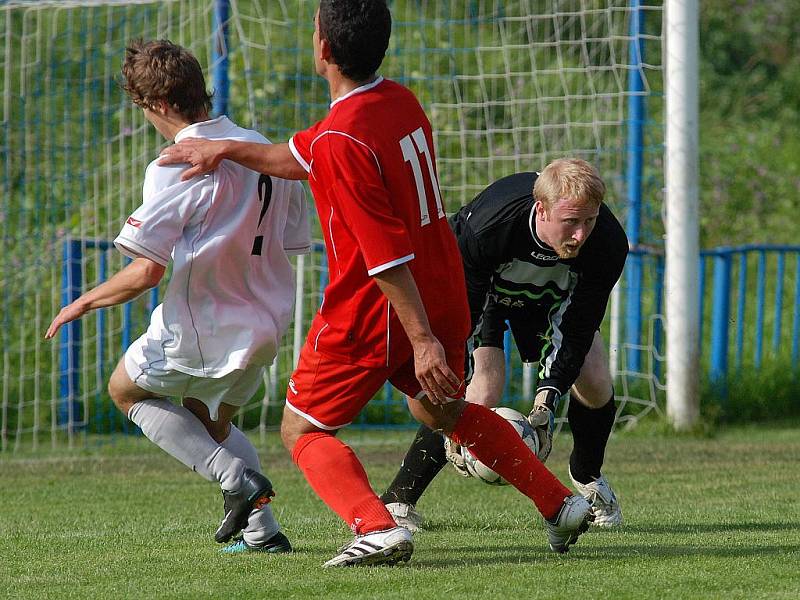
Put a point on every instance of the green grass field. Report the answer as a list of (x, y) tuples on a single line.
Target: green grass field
[(705, 518)]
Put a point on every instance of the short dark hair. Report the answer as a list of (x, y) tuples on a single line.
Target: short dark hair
[(160, 70), (358, 33)]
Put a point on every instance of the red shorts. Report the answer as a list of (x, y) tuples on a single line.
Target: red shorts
[(330, 394)]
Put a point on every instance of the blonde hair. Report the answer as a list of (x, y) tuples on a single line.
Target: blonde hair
[(570, 178)]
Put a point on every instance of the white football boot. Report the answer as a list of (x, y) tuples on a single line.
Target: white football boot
[(570, 522), (387, 547), (605, 506), (405, 515)]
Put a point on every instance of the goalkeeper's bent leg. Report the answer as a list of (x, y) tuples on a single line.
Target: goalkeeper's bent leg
[(591, 428), (421, 464)]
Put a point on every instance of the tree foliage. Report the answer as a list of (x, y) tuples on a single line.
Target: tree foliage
[(749, 102)]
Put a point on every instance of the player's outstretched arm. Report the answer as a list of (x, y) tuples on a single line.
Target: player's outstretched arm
[(430, 365), (205, 155), (139, 276)]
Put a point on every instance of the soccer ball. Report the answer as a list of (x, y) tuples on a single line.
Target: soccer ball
[(518, 421)]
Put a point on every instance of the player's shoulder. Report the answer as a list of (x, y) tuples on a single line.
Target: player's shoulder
[(242, 134), (159, 177), (507, 199), (511, 187), (611, 228), (373, 110)]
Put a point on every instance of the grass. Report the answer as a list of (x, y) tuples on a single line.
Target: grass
[(706, 517)]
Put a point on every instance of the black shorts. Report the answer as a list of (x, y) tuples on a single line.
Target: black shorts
[(532, 330)]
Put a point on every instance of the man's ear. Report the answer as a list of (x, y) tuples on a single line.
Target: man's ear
[(324, 50), (541, 213), (161, 107)]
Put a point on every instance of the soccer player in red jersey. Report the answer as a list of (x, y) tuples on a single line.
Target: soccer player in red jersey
[(395, 308)]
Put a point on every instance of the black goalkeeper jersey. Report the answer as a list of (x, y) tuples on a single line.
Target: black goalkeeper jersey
[(507, 264)]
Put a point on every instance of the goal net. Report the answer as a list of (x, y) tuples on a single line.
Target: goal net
[(509, 85)]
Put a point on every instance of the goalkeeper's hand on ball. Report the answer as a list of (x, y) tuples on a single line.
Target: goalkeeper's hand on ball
[(543, 420), (452, 452)]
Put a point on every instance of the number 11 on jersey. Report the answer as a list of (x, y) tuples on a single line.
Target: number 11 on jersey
[(412, 146)]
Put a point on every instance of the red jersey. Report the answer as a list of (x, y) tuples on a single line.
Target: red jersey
[(372, 171)]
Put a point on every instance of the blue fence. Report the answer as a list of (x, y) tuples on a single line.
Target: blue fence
[(749, 306)]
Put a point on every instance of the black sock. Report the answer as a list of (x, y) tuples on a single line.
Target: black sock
[(423, 461), (591, 428)]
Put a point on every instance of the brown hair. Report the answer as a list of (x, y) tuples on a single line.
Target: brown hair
[(160, 70), (570, 178)]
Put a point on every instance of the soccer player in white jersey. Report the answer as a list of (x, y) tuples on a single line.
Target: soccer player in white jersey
[(228, 302)]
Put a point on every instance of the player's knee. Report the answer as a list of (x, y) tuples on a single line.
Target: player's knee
[(593, 392), (439, 417), (118, 397), (219, 432), (290, 435)]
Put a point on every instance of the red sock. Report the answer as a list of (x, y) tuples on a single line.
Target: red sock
[(493, 441), (336, 475)]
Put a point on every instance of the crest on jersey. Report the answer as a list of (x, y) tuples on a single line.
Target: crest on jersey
[(134, 222)]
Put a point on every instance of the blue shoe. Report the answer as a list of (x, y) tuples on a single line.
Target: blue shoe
[(277, 544)]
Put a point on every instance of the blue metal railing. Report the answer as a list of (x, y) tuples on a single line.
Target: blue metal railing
[(769, 262)]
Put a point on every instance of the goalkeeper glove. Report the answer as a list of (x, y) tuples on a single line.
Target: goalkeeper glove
[(542, 419), (452, 452)]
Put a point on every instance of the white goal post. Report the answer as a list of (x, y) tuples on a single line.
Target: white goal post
[(682, 229)]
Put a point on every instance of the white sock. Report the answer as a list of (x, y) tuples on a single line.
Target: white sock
[(179, 433), (261, 525)]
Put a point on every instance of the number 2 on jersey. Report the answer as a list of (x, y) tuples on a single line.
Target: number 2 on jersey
[(264, 196), (412, 146)]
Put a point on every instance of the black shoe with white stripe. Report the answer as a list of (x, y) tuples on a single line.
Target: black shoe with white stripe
[(256, 491), (387, 547)]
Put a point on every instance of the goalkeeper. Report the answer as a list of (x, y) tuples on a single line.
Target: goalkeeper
[(541, 254)]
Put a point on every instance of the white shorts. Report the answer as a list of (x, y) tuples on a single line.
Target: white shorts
[(147, 367)]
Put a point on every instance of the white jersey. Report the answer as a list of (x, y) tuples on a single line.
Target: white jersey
[(230, 297)]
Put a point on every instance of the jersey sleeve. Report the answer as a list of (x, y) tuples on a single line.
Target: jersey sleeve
[(152, 230), (586, 309), (300, 145), (297, 235)]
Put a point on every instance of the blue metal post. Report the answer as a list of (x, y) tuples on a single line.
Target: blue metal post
[(152, 301), (776, 330), (796, 324), (69, 408), (701, 288), (740, 306), (760, 293), (636, 107), (219, 64), (719, 321)]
